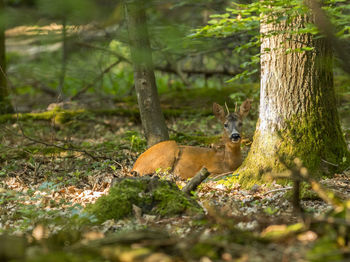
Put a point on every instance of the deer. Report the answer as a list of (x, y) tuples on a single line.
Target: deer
[(186, 161)]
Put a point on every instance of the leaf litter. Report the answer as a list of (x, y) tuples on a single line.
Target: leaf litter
[(37, 185)]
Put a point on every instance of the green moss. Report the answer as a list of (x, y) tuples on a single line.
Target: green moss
[(205, 249), (170, 202), (261, 160), (45, 150), (118, 203), (318, 144), (66, 116), (153, 196), (26, 116), (63, 116)]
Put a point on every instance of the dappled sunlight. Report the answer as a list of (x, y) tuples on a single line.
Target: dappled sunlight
[(174, 131), (44, 30)]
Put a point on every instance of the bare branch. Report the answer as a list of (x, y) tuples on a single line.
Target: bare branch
[(83, 90), (169, 69)]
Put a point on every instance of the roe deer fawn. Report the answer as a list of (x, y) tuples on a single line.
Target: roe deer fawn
[(186, 161)]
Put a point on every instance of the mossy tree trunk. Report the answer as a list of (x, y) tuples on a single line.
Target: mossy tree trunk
[(298, 115), (145, 85), (5, 104)]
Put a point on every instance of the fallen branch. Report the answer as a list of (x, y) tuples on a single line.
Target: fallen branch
[(329, 163), (277, 190), (196, 181), (225, 174), (205, 72)]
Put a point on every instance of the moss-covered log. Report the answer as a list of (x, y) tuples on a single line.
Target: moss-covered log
[(82, 114), (298, 115), (150, 195)]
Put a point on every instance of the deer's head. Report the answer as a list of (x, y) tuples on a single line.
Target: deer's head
[(232, 122)]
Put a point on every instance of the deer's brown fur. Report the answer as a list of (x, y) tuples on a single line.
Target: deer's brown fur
[(186, 161)]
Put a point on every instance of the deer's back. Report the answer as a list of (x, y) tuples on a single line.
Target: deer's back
[(161, 155), (184, 161)]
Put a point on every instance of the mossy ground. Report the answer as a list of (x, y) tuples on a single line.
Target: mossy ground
[(153, 196), (53, 174)]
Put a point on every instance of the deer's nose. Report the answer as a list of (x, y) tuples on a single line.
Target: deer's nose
[(235, 136)]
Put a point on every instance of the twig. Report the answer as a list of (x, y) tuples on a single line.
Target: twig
[(297, 209), (331, 220), (37, 85), (196, 181), (279, 189), (120, 57), (225, 174), (23, 134), (329, 163), (44, 143), (167, 69), (301, 173), (106, 70)]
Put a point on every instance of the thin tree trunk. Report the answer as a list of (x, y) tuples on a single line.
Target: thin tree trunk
[(63, 61), (145, 85), (5, 104), (298, 115)]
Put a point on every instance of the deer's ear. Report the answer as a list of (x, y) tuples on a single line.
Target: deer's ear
[(245, 108), (219, 112)]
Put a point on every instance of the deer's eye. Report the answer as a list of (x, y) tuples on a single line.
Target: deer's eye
[(226, 125), (239, 124)]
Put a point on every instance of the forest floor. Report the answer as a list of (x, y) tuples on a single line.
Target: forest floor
[(50, 170)]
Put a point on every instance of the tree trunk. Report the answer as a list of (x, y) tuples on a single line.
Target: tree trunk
[(298, 115), (145, 85), (64, 59), (5, 104)]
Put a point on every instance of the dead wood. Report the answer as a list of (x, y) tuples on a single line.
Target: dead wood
[(196, 181)]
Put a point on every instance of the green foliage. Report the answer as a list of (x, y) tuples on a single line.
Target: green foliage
[(271, 210), (333, 243), (325, 249), (136, 140), (19, 2), (245, 19), (63, 9)]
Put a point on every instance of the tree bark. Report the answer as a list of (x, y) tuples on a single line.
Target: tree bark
[(145, 85), (298, 116), (5, 104)]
